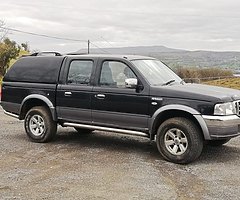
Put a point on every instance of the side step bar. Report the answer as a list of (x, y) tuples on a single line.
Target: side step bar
[(11, 114), (100, 128)]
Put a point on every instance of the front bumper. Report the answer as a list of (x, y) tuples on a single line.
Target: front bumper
[(222, 127)]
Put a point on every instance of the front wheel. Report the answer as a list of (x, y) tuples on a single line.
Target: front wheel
[(39, 124), (179, 140)]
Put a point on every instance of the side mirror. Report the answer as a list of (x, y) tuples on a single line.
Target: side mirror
[(131, 83)]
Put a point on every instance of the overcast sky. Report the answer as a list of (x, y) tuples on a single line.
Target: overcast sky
[(184, 24)]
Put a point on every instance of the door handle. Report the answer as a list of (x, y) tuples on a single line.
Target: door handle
[(100, 96), (67, 94)]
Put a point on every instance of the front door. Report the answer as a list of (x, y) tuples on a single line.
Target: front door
[(113, 104)]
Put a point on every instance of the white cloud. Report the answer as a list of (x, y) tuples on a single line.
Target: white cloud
[(221, 40), (186, 24)]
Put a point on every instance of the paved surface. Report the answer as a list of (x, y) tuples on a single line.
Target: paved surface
[(109, 166)]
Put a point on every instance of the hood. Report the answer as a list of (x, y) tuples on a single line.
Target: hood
[(196, 92)]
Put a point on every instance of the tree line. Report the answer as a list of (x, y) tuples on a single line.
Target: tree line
[(9, 49)]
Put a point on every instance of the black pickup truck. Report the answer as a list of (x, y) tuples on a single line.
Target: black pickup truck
[(126, 94)]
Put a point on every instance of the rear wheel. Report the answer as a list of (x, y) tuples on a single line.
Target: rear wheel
[(217, 142), (179, 140), (39, 124)]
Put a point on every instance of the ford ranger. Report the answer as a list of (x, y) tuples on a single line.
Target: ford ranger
[(132, 95)]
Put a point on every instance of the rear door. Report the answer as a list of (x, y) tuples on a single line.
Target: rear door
[(115, 105), (74, 92)]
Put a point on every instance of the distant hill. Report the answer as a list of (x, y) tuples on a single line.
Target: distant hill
[(135, 50), (178, 57)]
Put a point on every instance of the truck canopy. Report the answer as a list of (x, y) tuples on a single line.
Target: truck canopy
[(44, 69)]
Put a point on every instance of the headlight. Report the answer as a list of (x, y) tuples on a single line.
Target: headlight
[(225, 109)]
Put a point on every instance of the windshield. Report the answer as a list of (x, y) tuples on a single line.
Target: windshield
[(156, 72)]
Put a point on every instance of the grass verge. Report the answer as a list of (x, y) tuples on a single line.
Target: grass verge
[(233, 83)]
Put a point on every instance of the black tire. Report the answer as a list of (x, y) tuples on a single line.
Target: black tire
[(217, 143), (39, 125), (83, 131), (179, 140)]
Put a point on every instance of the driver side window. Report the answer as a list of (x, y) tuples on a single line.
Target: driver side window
[(114, 74)]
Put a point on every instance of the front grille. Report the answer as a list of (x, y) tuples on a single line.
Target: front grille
[(237, 104)]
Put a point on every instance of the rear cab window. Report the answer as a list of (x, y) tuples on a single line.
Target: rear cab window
[(80, 72)]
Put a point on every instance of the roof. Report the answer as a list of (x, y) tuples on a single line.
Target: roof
[(128, 57), (50, 54)]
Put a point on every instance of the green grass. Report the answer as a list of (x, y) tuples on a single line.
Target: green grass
[(233, 83)]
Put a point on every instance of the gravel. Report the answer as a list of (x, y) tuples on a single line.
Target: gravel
[(109, 166)]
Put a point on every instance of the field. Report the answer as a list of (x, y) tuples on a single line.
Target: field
[(228, 82)]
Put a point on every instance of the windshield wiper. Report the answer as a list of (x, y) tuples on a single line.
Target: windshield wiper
[(169, 82)]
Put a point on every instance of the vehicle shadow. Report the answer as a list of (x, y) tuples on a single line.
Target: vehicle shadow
[(109, 141), (70, 139), (116, 142), (221, 154)]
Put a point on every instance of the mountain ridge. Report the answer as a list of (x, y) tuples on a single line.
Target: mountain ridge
[(178, 57)]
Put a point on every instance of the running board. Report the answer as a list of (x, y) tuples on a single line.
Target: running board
[(11, 114), (100, 128)]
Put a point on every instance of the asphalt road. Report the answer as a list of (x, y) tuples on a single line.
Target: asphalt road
[(109, 166)]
